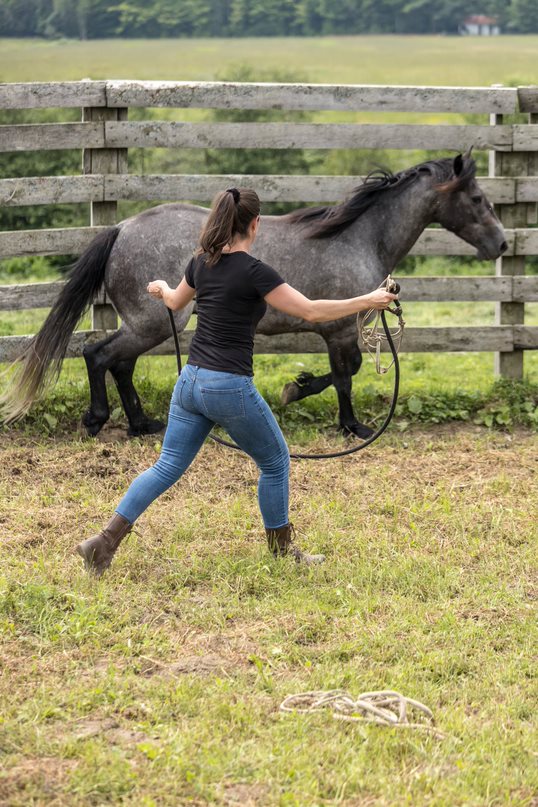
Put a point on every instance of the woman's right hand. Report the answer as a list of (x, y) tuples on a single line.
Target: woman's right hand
[(157, 288), (380, 298)]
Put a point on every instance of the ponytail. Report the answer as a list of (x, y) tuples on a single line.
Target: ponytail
[(231, 213)]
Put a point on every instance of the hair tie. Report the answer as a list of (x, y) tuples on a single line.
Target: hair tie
[(235, 193)]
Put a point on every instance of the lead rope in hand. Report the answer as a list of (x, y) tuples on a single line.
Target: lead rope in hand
[(373, 337)]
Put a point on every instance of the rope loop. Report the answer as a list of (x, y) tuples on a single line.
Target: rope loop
[(372, 335), (383, 707)]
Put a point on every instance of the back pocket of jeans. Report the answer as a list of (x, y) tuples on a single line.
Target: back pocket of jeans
[(222, 405)]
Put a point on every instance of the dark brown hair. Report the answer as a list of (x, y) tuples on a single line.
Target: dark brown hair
[(231, 213)]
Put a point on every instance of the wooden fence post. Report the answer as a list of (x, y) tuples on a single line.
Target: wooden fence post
[(104, 161), (512, 164)]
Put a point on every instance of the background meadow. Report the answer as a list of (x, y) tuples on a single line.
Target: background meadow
[(160, 684)]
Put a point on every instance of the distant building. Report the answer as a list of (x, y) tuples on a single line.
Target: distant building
[(479, 25)]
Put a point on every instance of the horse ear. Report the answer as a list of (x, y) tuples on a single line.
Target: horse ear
[(467, 155), (458, 165)]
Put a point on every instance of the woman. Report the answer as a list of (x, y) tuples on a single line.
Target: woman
[(215, 387)]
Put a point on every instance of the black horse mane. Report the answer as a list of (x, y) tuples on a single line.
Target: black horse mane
[(323, 222)]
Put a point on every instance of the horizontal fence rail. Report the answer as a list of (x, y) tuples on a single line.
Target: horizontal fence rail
[(198, 187), (502, 338), (73, 241), (265, 135), (413, 289), (104, 135), (253, 95)]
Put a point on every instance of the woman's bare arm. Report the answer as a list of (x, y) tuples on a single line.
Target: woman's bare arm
[(287, 299)]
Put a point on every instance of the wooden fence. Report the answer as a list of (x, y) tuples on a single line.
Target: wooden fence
[(105, 134)]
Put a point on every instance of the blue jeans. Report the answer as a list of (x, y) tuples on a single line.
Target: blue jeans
[(202, 398)]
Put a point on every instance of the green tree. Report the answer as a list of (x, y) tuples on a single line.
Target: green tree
[(524, 16), (308, 19)]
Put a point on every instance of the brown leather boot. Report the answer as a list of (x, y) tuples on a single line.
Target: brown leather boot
[(99, 550), (281, 543)]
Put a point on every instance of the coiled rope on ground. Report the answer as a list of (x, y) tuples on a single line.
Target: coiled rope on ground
[(384, 707)]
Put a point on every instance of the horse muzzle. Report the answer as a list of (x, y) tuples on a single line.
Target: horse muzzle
[(491, 254)]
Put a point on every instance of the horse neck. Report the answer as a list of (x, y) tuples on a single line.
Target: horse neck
[(398, 219)]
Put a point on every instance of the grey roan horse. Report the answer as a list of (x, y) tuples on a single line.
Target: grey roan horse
[(334, 252)]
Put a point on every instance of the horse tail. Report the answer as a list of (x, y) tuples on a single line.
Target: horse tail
[(40, 363)]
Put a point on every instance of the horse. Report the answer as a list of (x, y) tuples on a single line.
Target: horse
[(335, 251)]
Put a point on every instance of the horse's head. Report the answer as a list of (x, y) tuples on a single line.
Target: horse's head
[(464, 210)]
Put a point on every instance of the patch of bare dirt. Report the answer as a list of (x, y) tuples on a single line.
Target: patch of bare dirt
[(46, 775), (199, 665), (246, 795), (107, 727)]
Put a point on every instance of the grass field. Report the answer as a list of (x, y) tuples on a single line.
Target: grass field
[(161, 683), (439, 60)]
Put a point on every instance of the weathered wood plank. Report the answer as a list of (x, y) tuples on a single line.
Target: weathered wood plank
[(202, 187), (441, 289), (51, 190), (21, 296), (526, 189), (513, 216), (73, 240), (416, 340), (441, 242), (345, 97), (525, 337), (481, 338), (414, 289), (178, 134), (525, 289), (51, 136), (222, 95), (528, 99), (525, 137), (63, 241), (101, 162), (527, 242), (11, 347), (61, 94), (270, 187)]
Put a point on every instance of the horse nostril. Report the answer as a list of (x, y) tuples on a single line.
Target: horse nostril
[(503, 247)]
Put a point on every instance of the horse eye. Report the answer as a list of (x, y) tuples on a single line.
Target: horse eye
[(476, 199)]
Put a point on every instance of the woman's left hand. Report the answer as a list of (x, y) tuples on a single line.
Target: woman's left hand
[(157, 288)]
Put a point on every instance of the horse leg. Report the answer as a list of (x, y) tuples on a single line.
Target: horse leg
[(139, 422), (304, 385), (98, 413), (345, 359), (117, 353)]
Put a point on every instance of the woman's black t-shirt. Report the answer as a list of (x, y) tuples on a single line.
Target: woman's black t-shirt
[(229, 303)]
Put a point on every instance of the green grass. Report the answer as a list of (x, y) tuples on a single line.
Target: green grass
[(161, 683), (454, 61)]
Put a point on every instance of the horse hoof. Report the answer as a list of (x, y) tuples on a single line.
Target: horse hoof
[(357, 430), (291, 392), (148, 426), (92, 426)]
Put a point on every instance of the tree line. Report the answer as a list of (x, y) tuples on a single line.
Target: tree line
[(96, 19)]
